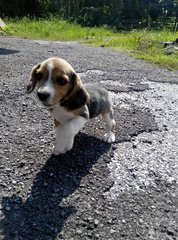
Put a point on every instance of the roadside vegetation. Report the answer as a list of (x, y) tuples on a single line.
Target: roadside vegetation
[(139, 27), (142, 44)]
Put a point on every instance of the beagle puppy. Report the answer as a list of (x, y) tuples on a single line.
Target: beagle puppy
[(70, 102)]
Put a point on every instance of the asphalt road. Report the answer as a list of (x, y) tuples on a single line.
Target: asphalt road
[(122, 191)]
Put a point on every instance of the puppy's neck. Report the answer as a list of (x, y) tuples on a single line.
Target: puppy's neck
[(61, 114)]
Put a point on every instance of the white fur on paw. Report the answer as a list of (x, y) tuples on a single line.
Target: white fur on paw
[(109, 137), (57, 151), (61, 149)]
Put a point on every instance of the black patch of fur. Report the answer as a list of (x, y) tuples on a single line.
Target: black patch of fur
[(99, 100), (75, 101)]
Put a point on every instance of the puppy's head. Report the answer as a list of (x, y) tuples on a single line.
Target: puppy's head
[(57, 82)]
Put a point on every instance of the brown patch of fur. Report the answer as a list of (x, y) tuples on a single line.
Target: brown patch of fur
[(77, 85), (61, 69), (77, 112), (32, 81), (56, 123)]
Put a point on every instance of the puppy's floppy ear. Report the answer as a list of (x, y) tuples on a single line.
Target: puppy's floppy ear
[(78, 96), (32, 81)]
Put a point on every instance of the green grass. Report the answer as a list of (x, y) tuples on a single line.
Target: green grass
[(146, 45), (53, 29)]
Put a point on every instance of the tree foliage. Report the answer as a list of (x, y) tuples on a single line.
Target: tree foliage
[(117, 13)]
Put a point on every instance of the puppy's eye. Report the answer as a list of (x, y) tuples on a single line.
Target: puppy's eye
[(61, 81), (39, 76)]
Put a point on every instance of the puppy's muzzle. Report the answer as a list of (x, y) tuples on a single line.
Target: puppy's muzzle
[(43, 96)]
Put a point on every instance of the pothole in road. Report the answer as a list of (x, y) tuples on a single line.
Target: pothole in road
[(149, 160), (131, 120), (114, 84), (115, 87)]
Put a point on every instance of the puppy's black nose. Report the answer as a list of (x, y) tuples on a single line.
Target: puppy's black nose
[(43, 96)]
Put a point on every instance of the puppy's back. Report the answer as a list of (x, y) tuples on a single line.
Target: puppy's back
[(99, 101)]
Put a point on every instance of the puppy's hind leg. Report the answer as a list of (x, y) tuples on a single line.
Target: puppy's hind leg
[(110, 123)]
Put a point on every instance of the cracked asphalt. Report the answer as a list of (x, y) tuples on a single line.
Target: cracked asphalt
[(122, 191)]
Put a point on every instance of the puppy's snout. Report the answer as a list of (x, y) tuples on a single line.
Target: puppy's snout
[(43, 96)]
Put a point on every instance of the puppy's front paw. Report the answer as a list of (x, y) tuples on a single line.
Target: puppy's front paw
[(61, 149), (57, 151), (109, 137)]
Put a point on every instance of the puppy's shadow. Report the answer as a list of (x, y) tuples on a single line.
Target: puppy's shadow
[(44, 213)]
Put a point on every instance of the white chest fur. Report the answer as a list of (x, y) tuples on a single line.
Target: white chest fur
[(62, 115)]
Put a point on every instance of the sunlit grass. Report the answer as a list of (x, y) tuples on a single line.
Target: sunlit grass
[(53, 29), (143, 44)]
